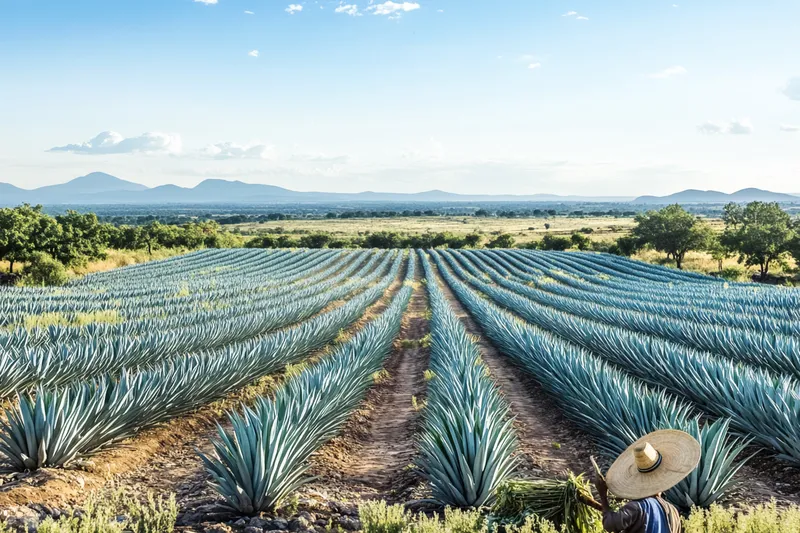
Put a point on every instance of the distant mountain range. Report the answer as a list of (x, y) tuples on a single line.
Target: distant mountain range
[(99, 188), (694, 196)]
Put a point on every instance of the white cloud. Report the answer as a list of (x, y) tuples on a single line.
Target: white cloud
[(534, 65), (110, 142), (576, 15), (677, 70), (789, 128), (792, 89), (293, 8), (740, 127), (348, 9), (440, 10), (389, 8), (231, 150), (206, 2), (734, 127), (249, 13), (675, 5), (253, 53), (711, 128)]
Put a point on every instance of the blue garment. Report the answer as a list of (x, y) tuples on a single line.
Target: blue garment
[(655, 517)]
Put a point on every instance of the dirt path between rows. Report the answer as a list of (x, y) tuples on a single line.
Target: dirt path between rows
[(549, 443), (369, 459), (179, 470), (162, 459)]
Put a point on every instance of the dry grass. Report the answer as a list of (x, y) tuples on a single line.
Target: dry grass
[(523, 229), (703, 262), (114, 259)]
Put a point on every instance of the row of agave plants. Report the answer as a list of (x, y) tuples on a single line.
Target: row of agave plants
[(211, 303), (613, 407), (760, 405), (61, 365), (169, 298), (264, 457), (779, 353), (568, 285), (466, 447), (53, 426), (592, 267)]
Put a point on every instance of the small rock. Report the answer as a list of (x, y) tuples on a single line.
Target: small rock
[(240, 523), (260, 523), (253, 529), (348, 509), (219, 528), (321, 522), (299, 524), (277, 524), (308, 517), (349, 523)]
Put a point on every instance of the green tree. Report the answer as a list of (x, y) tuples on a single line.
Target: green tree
[(315, 240), (627, 246), (42, 269), (504, 240), (580, 241), (150, 236), (760, 233), (17, 228), (472, 240), (673, 231), (81, 237), (555, 243)]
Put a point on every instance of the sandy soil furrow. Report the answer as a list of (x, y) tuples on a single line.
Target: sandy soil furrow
[(369, 459), (549, 443)]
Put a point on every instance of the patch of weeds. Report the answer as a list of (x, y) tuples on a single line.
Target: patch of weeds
[(380, 376), (429, 375), (556, 445), (418, 405)]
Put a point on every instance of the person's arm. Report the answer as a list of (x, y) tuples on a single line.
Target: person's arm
[(622, 520)]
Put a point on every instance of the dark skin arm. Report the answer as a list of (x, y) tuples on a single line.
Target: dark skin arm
[(602, 490)]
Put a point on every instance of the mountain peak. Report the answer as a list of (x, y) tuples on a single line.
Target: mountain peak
[(96, 182)]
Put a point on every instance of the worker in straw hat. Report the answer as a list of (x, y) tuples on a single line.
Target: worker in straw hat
[(650, 466)]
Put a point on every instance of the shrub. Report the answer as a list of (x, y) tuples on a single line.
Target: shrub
[(732, 273), (42, 269), (766, 518), (377, 517), (504, 240), (553, 242)]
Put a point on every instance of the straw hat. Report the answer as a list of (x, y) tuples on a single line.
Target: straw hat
[(655, 463)]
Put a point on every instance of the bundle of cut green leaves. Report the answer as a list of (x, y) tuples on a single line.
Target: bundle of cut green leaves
[(560, 501), (467, 447), (265, 457)]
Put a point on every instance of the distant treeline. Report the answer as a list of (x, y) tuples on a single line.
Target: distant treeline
[(392, 239), (244, 218), (48, 245)]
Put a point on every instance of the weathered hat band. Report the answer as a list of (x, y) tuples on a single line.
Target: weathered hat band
[(655, 465)]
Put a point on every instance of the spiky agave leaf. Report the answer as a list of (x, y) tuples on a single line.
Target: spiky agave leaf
[(57, 425), (615, 408), (264, 456), (467, 447)]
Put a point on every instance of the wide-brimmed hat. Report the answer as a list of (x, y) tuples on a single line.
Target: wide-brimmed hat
[(653, 464)]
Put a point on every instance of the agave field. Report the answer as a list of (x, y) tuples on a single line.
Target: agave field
[(346, 373)]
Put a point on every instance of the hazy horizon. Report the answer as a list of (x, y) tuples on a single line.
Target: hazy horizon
[(557, 97)]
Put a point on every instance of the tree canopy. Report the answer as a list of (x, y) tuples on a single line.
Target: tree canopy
[(760, 233), (672, 230)]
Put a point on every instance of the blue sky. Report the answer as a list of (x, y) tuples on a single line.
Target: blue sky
[(553, 96)]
